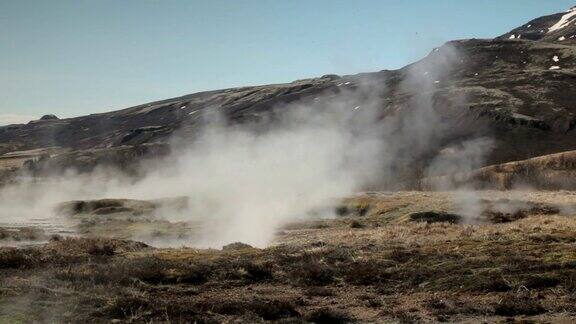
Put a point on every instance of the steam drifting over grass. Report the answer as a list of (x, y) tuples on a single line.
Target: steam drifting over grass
[(245, 181)]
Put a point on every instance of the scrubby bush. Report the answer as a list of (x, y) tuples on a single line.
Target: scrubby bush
[(356, 224), (339, 254), (401, 255), (101, 248), (318, 292), (263, 308), (327, 315), (312, 272), (435, 217), (366, 273), (126, 272), (13, 258), (512, 305), (135, 308), (541, 281)]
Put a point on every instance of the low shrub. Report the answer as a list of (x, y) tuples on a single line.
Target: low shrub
[(13, 258), (513, 306), (366, 273), (327, 315), (312, 272)]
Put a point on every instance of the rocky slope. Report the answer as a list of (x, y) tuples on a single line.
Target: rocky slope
[(517, 89)]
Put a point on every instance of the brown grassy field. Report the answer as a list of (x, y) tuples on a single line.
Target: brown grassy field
[(374, 263)]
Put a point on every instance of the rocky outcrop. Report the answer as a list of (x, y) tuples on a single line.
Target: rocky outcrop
[(49, 117)]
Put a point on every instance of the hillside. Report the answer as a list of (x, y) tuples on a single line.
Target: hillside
[(516, 90), (548, 172)]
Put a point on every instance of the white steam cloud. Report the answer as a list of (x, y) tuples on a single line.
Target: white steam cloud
[(244, 182)]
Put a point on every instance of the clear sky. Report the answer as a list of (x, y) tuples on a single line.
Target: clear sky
[(75, 57)]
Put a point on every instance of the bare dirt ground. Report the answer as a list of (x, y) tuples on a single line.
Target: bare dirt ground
[(375, 262)]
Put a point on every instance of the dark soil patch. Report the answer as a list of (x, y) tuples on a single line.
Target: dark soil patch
[(435, 217)]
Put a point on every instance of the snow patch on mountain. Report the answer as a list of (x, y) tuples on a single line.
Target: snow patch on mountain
[(564, 21)]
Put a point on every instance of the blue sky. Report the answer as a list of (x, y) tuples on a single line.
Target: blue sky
[(75, 57)]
